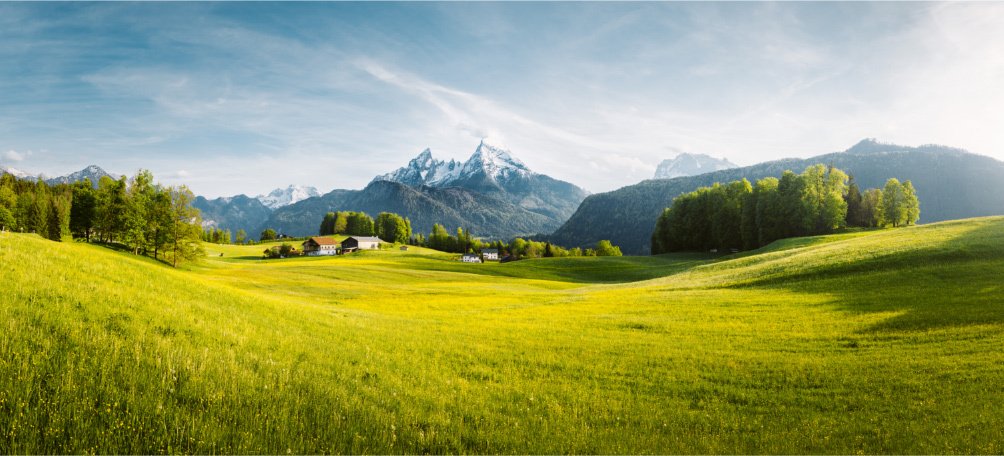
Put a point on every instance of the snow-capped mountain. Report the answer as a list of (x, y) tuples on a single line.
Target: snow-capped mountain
[(493, 171), (93, 172), (425, 170), (16, 173), (489, 162), (285, 196), (691, 165)]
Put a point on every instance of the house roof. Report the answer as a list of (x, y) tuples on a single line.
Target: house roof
[(322, 240), (364, 238), (489, 250)]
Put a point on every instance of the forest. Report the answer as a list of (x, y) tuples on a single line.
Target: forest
[(138, 214), (820, 200)]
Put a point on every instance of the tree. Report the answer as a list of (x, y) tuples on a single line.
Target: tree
[(894, 207), (855, 211), (341, 223), (327, 225), (241, 236), (8, 202), (605, 248), (83, 210), (392, 227), (268, 235), (911, 202), (871, 208), (186, 226), (136, 205)]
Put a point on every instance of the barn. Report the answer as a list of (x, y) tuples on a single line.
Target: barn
[(353, 243)]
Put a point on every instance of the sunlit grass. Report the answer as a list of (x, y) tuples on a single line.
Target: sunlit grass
[(884, 341)]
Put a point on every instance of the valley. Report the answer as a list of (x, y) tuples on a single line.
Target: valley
[(874, 341)]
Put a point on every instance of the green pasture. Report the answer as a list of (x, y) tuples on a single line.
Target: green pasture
[(886, 341)]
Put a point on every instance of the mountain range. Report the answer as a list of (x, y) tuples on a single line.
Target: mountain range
[(492, 194), (691, 165), (93, 172), (951, 184)]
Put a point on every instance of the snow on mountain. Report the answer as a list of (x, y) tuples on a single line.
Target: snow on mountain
[(495, 163), (491, 161), (16, 173), (93, 172), (691, 165), (285, 196)]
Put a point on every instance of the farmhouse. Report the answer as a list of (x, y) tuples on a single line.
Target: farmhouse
[(353, 243), (321, 245), (470, 258), (490, 254)]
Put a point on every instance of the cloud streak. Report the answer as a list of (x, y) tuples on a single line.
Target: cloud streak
[(246, 98)]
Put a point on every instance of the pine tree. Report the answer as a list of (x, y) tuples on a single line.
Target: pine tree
[(855, 215)]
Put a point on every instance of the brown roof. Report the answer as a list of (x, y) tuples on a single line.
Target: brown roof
[(324, 240)]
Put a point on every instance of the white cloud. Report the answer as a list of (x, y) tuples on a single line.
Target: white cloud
[(15, 156)]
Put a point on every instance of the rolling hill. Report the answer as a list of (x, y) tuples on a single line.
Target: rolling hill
[(951, 184), (883, 341)]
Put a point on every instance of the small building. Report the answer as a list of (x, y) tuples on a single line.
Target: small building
[(490, 254), (321, 245), (353, 243), (470, 258), (404, 248)]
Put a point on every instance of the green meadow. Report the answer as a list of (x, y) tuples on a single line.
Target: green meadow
[(883, 341)]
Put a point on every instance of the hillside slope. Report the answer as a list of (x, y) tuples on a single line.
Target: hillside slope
[(483, 214), (951, 184), (884, 341)]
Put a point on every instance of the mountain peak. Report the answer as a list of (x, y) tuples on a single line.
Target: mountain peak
[(285, 196), (687, 164), (494, 161)]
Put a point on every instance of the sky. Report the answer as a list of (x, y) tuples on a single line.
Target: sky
[(233, 98)]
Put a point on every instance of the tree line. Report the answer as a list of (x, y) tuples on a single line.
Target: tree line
[(147, 218), (388, 226), (739, 215), (392, 227), (518, 248)]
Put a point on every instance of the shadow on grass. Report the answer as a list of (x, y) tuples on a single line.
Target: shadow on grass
[(958, 282), (600, 270), (125, 249)]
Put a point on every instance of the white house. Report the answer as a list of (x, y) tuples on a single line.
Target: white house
[(470, 258), (321, 245), (490, 254)]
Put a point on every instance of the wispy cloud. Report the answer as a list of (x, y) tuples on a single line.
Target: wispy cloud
[(245, 99)]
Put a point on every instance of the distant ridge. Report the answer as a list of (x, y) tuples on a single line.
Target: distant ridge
[(691, 165), (951, 184), (92, 172)]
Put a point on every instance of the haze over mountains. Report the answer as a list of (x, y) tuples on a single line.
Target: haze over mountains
[(691, 165), (951, 184)]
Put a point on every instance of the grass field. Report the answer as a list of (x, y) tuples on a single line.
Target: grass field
[(884, 341)]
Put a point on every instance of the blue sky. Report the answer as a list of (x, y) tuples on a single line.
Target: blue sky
[(245, 97)]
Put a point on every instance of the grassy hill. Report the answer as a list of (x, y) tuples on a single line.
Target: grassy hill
[(882, 341)]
